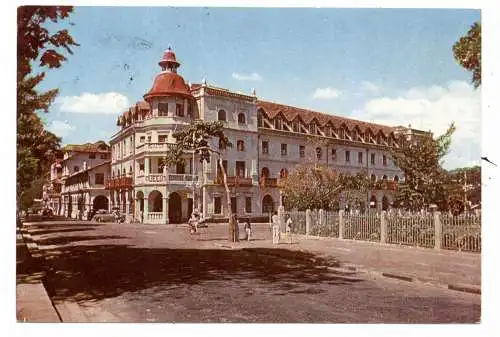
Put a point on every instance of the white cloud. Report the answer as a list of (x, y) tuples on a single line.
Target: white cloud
[(247, 77), (104, 103), (434, 108), (370, 88), (326, 93), (60, 128)]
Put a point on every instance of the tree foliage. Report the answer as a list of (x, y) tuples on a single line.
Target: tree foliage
[(36, 147), (467, 52), (426, 182), (196, 138), (317, 187)]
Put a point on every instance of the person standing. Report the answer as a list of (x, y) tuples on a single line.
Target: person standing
[(289, 224), (276, 229), (248, 229)]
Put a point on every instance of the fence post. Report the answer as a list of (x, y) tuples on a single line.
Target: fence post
[(383, 227), (281, 218), (321, 217), (308, 221), (341, 224), (438, 230)]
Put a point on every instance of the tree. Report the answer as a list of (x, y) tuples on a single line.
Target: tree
[(426, 182), (196, 138), (317, 187), (36, 147), (467, 52)]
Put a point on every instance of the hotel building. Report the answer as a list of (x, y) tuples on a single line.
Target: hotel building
[(269, 140)]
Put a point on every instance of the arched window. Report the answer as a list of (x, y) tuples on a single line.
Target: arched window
[(240, 145), (396, 178), (283, 173), (241, 118), (130, 170), (221, 115), (123, 171), (384, 178), (222, 145), (319, 153)]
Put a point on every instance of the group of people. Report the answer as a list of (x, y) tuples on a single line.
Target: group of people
[(275, 228)]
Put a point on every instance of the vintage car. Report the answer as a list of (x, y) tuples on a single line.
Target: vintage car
[(104, 216)]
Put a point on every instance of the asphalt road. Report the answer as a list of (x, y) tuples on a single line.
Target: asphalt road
[(151, 273)]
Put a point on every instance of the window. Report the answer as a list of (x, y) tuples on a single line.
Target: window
[(372, 158), (319, 153), (149, 139), (347, 156), (221, 115), (99, 178), (162, 138), (248, 205), (240, 169), (396, 178), (141, 167), (259, 119), (142, 139), (222, 145), (283, 149), (265, 147), (384, 160), (217, 205), (295, 126), (76, 169), (92, 156), (328, 131), (360, 157), (334, 154), (104, 156), (384, 178), (180, 168), (241, 118), (342, 133), (283, 173), (240, 145), (373, 178), (190, 110), (179, 110), (277, 123), (302, 151), (312, 128), (162, 109), (233, 205)]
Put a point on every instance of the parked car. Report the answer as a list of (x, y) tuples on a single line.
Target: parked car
[(104, 216), (47, 212)]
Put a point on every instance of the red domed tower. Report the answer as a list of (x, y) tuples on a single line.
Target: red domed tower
[(168, 83)]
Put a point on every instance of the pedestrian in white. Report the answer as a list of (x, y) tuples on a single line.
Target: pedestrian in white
[(276, 229), (289, 224), (248, 229)]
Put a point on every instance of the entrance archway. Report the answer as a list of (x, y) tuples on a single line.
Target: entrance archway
[(140, 197), (385, 203), (267, 204), (155, 202), (100, 202), (174, 208)]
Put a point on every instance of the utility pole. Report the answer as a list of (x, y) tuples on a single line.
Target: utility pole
[(465, 191)]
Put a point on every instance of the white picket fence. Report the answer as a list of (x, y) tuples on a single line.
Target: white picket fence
[(461, 233)]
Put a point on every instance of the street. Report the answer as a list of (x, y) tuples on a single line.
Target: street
[(153, 273)]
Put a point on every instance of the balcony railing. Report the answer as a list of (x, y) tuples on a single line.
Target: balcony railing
[(154, 147), (122, 182), (268, 182), (235, 181)]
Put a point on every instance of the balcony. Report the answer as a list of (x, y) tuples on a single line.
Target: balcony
[(153, 147), (235, 181), (268, 182), (122, 182), (160, 178)]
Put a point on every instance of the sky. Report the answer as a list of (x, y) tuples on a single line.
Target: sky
[(389, 66)]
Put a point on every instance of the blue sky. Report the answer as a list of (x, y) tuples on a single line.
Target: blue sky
[(392, 66)]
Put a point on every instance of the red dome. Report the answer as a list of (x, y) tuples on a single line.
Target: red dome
[(168, 84), (169, 58)]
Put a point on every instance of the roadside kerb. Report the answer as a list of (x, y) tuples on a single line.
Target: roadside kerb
[(462, 287)]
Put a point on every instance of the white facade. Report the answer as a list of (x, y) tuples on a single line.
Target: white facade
[(265, 144)]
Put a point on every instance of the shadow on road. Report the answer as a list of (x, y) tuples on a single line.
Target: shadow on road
[(102, 271)]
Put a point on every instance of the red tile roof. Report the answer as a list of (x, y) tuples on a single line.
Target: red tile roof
[(168, 84), (290, 113), (99, 146)]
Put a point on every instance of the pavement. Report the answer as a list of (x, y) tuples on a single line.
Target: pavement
[(79, 293)]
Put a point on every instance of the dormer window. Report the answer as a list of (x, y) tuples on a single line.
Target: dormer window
[(221, 115), (312, 128), (328, 131), (277, 123), (295, 126), (241, 118)]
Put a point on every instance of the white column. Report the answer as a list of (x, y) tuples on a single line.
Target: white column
[(165, 210), (146, 166)]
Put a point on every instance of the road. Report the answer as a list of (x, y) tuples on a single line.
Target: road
[(153, 273)]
